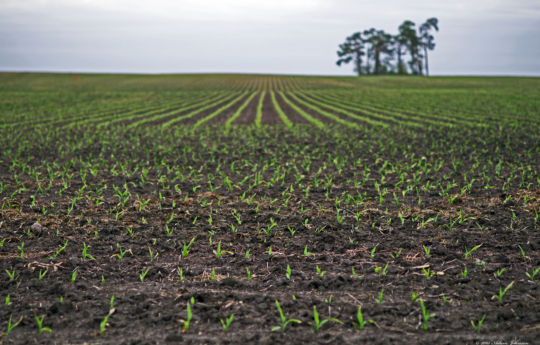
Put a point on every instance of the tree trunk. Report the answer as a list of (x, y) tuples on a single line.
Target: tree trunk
[(377, 62), (399, 67), (358, 62), (425, 55)]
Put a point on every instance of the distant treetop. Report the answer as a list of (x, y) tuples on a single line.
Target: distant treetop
[(380, 49)]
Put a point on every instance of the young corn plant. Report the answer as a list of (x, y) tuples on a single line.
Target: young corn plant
[(318, 323), (39, 322), (187, 321), (360, 322), (503, 292), (185, 250), (477, 325), (227, 322), (11, 325), (284, 320), (425, 315)]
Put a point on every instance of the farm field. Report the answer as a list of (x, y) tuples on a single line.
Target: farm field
[(244, 209)]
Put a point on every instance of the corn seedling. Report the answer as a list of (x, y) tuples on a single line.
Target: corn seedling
[(533, 273), (39, 322), (318, 323), (143, 274), (284, 320), (382, 270), (360, 322), (477, 325), (470, 251), (185, 250), (11, 325), (227, 322), (503, 292), (288, 272), (85, 254), (425, 315), (187, 321)]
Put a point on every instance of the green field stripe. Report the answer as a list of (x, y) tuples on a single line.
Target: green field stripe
[(305, 115), (57, 120), (330, 115), (158, 113), (219, 110), (199, 110), (258, 114), (419, 119), (452, 119), (279, 111), (356, 107), (231, 119), (344, 112), (194, 104), (135, 113)]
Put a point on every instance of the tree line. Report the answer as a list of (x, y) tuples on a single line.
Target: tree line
[(373, 51)]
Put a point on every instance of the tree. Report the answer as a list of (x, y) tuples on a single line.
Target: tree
[(352, 50), (407, 33), (400, 42), (427, 39), (382, 51), (379, 48)]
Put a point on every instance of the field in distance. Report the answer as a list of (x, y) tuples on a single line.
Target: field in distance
[(243, 209)]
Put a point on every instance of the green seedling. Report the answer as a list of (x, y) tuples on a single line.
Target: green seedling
[(320, 272), (361, 323), (143, 274), (533, 273), (60, 250), (523, 253), (8, 300), (414, 297), (379, 299), (185, 250), (180, 272), (11, 275), (499, 272), (284, 320), (218, 252), (425, 315), (187, 322), (428, 272), (39, 321), (121, 253), (73, 276), (11, 325), (469, 252), (477, 325), (85, 254), (372, 253), (227, 322), (307, 253), (318, 323), (464, 272), (288, 273), (21, 249), (427, 250), (248, 273), (42, 274), (502, 292), (152, 254), (382, 271)]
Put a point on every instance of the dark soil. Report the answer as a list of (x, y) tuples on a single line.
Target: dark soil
[(383, 256)]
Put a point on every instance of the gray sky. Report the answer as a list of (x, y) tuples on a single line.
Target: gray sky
[(492, 37)]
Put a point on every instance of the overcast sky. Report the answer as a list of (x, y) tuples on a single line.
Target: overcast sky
[(485, 37)]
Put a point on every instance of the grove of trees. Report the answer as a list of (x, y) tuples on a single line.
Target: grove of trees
[(374, 51)]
